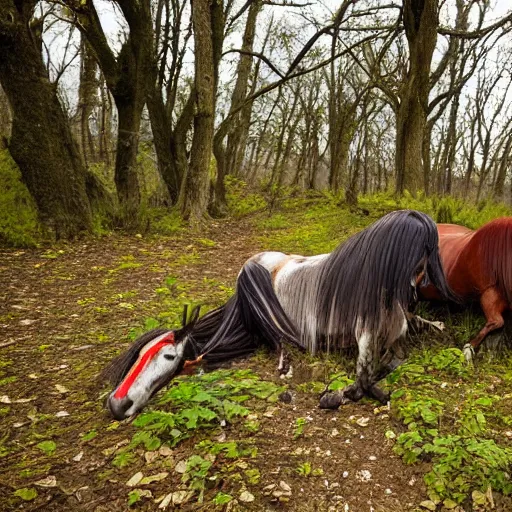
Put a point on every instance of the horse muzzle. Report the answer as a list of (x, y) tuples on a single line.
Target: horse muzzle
[(118, 407)]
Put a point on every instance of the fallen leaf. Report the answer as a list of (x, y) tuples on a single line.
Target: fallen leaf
[(153, 478), (449, 504), (78, 457), (181, 467), (246, 497), (27, 322), (429, 505), (135, 479), (150, 457), (61, 389), (363, 422), (49, 481), (180, 497), (166, 501), (165, 451)]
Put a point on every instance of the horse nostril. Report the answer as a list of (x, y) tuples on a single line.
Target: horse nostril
[(118, 408)]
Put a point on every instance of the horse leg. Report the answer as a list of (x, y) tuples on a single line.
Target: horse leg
[(284, 367), (365, 383), (418, 321), (493, 305)]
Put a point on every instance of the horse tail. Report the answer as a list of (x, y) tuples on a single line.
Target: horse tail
[(494, 243), (252, 315)]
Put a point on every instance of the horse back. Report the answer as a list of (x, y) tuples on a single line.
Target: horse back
[(457, 256)]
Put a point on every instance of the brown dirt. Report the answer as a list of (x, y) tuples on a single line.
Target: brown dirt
[(66, 319)]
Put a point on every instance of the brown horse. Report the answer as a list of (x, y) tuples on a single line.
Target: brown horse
[(478, 266)]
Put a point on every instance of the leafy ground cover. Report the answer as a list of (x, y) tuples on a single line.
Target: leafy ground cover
[(237, 438)]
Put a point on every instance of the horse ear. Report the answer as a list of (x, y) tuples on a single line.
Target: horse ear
[(185, 315), (194, 315)]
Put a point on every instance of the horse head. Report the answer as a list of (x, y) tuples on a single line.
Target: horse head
[(149, 364)]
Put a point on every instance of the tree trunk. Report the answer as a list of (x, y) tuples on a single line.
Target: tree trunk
[(499, 185), (41, 142), (5, 120), (87, 99), (195, 191), (236, 127), (421, 20)]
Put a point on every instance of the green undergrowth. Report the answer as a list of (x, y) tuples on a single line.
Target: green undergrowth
[(313, 224), (453, 418), (203, 401), (19, 226), (199, 404)]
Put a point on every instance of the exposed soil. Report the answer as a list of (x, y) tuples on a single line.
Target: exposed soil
[(67, 313)]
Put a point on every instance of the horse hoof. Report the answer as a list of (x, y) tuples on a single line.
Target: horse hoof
[(332, 400), (469, 353), (439, 325)]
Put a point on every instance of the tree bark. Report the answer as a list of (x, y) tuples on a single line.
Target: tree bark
[(421, 19), (206, 19), (5, 120), (41, 142), (87, 99)]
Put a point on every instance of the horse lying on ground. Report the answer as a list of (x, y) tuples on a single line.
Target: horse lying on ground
[(478, 267), (360, 294)]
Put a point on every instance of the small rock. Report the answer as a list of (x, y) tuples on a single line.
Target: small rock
[(62, 414), (27, 322), (429, 505), (372, 457), (4, 399), (388, 492), (32, 376), (335, 432), (364, 475), (286, 397), (345, 474), (246, 497), (135, 479), (412, 481)]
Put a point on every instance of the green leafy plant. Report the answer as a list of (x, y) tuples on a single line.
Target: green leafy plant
[(26, 493), (48, 447), (300, 424)]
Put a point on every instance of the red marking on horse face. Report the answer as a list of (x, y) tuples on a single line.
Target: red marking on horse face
[(140, 364)]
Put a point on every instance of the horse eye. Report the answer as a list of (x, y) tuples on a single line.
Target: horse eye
[(169, 357)]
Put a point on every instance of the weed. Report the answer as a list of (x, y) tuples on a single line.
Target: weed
[(48, 447), (300, 424)]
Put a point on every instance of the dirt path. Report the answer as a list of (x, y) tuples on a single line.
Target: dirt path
[(67, 311)]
